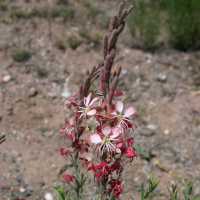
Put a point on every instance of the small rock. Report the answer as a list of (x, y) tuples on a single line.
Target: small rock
[(32, 92), (148, 131), (134, 97), (152, 127), (162, 78), (148, 59), (46, 121), (136, 179), (66, 94), (6, 78), (28, 192), (53, 166), (48, 196), (124, 72), (126, 52), (166, 131), (22, 189)]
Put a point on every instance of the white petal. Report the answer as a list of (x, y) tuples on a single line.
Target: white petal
[(116, 132), (95, 138), (129, 111), (114, 113), (93, 101), (88, 98), (84, 100), (106, 130), (119, 106), (91, 112)]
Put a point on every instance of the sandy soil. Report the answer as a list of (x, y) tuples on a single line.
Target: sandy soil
[(164, 87)]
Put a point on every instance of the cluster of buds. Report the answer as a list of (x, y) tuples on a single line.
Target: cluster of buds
[(100, 129)]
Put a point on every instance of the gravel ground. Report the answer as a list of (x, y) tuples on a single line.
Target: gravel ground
[(164, 88)]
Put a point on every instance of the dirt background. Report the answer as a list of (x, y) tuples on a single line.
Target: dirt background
[(163, 86)]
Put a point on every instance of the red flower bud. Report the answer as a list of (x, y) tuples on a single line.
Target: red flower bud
[(130, 152), (64, 151), (68, 178)]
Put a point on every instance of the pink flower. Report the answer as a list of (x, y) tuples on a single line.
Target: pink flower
[(106, 140), (130, 152), (130, 141), (116, 188), (124, 115), (68, 178), (100, 170), (88, 108), (98, 166), (64, 152)]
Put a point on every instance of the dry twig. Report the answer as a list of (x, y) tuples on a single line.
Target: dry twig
[(2, 138)]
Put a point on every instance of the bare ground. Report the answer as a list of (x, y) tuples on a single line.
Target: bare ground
[(164, 88)]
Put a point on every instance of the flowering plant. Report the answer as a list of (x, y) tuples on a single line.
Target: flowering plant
[(100, 128)]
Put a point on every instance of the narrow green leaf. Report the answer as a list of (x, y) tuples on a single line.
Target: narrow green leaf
[(188, 191), (60, 192)]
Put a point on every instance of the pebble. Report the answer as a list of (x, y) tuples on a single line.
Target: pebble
[(136, 179), (124, 71), (48, 196), (149, 59), (134, 97), (127, 51), (162, 78), (32, 92), (26, 191), (6, 78), (152, 127), (66, 94), (148, 131), (166, 131), (22, 189)]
